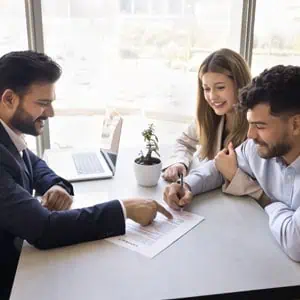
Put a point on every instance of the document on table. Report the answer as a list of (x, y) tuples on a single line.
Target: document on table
[(152, 239), (148, 240)]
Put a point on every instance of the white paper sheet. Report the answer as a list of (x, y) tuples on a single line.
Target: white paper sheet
[(148, 240), (151, 240)]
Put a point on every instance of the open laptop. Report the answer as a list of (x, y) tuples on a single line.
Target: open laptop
[(89, 164)]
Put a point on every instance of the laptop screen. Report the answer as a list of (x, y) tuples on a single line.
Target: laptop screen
[(111, 159), (110, 138), (111, 131)]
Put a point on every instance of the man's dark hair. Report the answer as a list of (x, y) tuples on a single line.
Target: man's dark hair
[(278, 86), (19, 70)]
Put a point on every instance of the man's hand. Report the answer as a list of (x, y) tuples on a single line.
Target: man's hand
[(57, 198), (226, 162), (143, 211), (171, 173), (176, 196)]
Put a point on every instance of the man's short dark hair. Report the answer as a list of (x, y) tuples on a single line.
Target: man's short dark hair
[(20, 69), (278, 86)]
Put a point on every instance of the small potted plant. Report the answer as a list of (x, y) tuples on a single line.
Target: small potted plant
[(147, 168)]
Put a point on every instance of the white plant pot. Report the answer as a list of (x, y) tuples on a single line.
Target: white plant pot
[(147, 175)]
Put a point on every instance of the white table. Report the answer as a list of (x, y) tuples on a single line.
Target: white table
[(231, 251)]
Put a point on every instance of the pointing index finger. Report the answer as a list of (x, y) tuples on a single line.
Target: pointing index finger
[(163, 211)]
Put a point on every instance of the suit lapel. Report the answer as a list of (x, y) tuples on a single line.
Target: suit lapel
[(27, 164), (26, 175), (7, 142)]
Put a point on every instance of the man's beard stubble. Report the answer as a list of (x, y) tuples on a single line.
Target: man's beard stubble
[(276, 150), (24, 122)]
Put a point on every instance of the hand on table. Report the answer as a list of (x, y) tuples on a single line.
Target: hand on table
[(144, 211), (171, 173), (57, 198)]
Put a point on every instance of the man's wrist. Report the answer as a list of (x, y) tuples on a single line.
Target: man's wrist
[(264, 200), (127, 205), (66, 185), (187, 187), (61, 184), (123, 209)]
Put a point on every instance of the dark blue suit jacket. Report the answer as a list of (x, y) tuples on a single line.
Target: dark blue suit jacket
[(22, 216)]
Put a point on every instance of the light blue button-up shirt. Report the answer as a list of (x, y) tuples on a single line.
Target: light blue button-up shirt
[(280, 182)]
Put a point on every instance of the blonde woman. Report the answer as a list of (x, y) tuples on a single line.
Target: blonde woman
[(220, 77), (218, 124)]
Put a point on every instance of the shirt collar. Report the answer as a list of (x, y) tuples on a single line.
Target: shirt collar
[(280, 161), (18, 140), (295, 164)]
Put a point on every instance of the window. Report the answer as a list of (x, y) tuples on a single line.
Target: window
[(138, 56), (159, 7), (141, 6), (276, 34), (175, 7), (13, 35), (125, 6)]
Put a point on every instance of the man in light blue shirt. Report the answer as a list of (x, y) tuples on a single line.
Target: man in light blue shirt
[(271, 156)]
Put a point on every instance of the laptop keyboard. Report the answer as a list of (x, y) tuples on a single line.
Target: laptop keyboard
[(87, 163)]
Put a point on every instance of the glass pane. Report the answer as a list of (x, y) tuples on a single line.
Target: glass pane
[(138, 56), (276, 34), (13, 35), (85, 131), (176, 7)]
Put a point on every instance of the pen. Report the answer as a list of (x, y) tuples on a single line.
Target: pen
[(181, 186), (181, 180)]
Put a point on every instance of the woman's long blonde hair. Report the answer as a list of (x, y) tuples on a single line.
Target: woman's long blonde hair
[(231, 64)]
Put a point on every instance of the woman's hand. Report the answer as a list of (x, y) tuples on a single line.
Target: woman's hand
[(226, 162), (171, 173)]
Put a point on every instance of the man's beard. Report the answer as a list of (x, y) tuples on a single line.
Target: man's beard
[(276, 150), (24, 122)]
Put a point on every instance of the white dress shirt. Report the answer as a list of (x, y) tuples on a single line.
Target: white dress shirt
[(18, 140), (280, 182)]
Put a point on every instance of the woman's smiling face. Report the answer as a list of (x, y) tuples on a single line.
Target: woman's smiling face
[(219, 91)]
